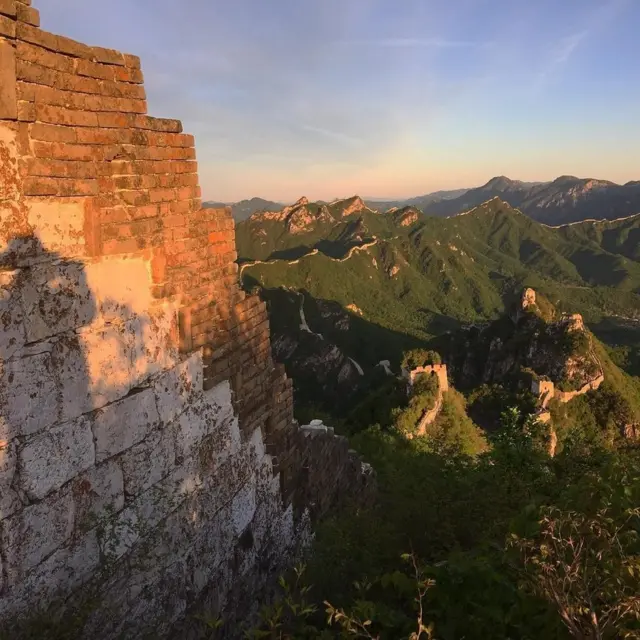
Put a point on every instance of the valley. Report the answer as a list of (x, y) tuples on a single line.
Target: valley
[(486, 364), (413, 282)]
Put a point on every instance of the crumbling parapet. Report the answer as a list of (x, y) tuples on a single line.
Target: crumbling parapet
[(439, 370), (546, 391)]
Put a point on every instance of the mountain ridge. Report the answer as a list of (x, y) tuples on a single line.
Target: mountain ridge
[(436, 274), (563, 200)]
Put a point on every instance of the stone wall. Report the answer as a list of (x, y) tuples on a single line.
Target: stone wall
[(438, 369), (546, 391), (429, 417), (150, 466)]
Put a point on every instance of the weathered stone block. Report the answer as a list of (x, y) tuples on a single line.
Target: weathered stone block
[(155, 504), (12, 335), (9, 176), (65, 570), (224, 482), (120, 534), (193, 427), (94, 368), (148, 462), (74, 384), (55, 299), (212, 545), (52, 458), (28, 393), (7, 463), (31, 535), (153, 345), (158, 598), (121, 287), (122, 424), (256, 442), (9, 501), (8, 8), (179, 387), (243, 507), (8, 99), (58, 224), (98, 494)]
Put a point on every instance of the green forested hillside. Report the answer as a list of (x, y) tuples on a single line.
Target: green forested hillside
[(490, 507), (432, 275)]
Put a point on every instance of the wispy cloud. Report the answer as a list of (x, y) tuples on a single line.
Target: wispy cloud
[(560, 56), (567, 46), (333, 135), (415, 43)]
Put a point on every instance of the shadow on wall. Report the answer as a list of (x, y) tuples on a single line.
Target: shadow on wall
[(126, 489), (78, 420)]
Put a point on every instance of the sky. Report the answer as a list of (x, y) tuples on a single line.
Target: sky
[(383, 98)]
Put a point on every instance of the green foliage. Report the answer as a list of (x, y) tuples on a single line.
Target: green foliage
[(420, 358), (453, 432), (290, 614), (588, 567), (378, 407), (487, 403), (462, 517), (520, 437), (582, 554)]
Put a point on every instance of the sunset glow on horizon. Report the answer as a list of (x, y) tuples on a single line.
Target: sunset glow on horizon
[(329, 98)]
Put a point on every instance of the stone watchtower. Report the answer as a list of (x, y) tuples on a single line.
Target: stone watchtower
[(439, 370)]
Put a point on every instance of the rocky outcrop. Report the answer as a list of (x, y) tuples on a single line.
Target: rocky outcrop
[(318, 364), (528, 298), (350, 206), (300, 217), (406, 216)]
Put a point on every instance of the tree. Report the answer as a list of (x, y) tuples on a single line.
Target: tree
[(588, 568)]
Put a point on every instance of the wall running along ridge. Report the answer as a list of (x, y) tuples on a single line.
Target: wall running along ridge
[(429, 417), (150, 466)]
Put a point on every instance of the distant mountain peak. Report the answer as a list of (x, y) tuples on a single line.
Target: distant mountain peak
[(500, 183), (351, 205), (565, 179)]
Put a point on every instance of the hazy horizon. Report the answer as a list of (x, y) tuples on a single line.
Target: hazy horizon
[(369, 96), (403, 197)]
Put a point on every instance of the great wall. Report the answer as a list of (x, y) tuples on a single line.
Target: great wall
[(429, 417), (150, 463)]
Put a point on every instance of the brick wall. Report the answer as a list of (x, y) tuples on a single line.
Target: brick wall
[(150, 466)]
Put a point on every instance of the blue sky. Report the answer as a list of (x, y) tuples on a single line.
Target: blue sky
[(386, 98)]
